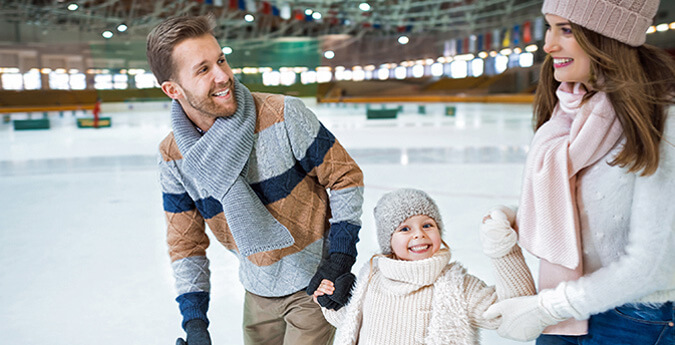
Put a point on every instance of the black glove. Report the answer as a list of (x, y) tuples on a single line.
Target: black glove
[(343, 292), (197, 334), (338, 264)]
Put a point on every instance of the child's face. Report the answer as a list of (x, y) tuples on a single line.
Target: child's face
[(416, 238), (570, 62)]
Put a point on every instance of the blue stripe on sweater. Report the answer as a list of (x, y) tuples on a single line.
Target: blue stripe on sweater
[(177, 203), (343, 237), (194, 305), (209, 207), (280, 186)]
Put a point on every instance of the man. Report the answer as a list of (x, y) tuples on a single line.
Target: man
[(256, 168)]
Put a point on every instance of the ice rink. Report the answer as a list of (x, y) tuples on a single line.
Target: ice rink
[(83, 257)]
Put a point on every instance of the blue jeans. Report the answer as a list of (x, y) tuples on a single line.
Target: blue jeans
[(625, 325)]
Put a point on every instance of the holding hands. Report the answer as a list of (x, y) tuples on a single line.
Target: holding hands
[(337, 270)]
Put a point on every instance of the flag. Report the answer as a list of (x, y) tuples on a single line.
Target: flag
[(496, 38), (515, 37), (539, 29), (527, 32), (506, 38), (472, 43)]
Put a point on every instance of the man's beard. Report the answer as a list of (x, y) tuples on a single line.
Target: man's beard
[(206, 105)]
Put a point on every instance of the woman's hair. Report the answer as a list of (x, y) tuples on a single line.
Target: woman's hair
[(390, 256), (640, 84), (165, 36)]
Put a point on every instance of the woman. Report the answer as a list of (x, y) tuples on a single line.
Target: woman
[(598, 201)]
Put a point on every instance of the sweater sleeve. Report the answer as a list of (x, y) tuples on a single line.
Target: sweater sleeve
[(322, 157), (186, 239), (512, 275), (647, 266), (479, 297)]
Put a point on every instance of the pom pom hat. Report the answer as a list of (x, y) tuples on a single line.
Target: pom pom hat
[(626, 21), (399, 205)]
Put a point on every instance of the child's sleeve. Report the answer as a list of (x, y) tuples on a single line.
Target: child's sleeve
[(513, 277)]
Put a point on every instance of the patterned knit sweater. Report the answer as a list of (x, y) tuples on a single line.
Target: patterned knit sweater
[(427, 301), (294, 161)]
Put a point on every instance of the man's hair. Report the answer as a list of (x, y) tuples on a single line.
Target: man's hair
[(165, 36)]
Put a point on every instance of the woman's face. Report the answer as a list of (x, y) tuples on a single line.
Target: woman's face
[(416, 238), (570, 62)]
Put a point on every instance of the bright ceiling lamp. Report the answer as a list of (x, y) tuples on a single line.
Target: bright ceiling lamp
[(364, 7), (403, 39)]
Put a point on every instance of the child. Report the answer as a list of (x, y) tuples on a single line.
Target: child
[(599, 182), (412, 293)]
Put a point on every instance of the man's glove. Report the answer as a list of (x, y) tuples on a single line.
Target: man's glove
[(343, 292), (524, 318), (197, 334), (496, 232), (337, 267)]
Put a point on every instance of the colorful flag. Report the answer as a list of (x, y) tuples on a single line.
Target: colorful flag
[(527, 32)]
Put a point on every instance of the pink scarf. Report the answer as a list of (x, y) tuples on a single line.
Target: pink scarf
[(575, 137)]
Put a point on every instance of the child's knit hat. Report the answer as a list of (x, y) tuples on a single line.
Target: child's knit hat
[(399, 205), (626, 21)]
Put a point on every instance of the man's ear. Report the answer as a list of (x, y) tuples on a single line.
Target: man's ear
[(172, 89)]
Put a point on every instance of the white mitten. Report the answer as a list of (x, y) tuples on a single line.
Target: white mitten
[(496, 233), (524, 318)]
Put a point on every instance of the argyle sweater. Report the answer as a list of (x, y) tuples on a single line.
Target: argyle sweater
[(294, 161)]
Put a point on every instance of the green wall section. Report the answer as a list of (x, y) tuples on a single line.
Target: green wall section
[(276, 54)]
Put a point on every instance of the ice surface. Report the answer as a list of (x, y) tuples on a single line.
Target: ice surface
[(83, 258)]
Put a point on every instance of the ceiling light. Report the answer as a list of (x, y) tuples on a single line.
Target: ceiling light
[(364, 7), (531, 48), (662, 27), (122, 28), (249, 18), (308, 12), (73, 7), (403, 40), (316, 15), (107, 34), (227, 50), (651, 29), (329, 54)]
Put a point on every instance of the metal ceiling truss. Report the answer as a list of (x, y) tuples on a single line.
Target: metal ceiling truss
[(339, 17)]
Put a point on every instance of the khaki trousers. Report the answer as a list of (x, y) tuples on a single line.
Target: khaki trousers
[(290, 320)]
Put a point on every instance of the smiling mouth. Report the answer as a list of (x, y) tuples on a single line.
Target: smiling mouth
[(561, 62), (222, 93), (420, 248)]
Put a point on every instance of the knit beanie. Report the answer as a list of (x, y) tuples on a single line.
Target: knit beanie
[(399, 205), (626, 21)]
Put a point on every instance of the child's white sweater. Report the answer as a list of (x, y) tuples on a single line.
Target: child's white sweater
[(429, 301)]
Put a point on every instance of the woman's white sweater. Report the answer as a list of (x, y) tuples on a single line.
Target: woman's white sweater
[(628, 234), (428, 301)]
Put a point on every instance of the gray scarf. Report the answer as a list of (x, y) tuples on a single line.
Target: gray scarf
[(217, 160)]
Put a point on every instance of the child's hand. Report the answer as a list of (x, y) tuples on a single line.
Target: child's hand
[(325, 288)]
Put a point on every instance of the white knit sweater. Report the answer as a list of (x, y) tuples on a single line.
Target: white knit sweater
[(628, 234), (428, 301)]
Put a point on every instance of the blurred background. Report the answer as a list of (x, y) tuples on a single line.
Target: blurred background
[(429, 94)]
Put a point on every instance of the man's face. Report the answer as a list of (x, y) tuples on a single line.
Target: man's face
[(203, 77)]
